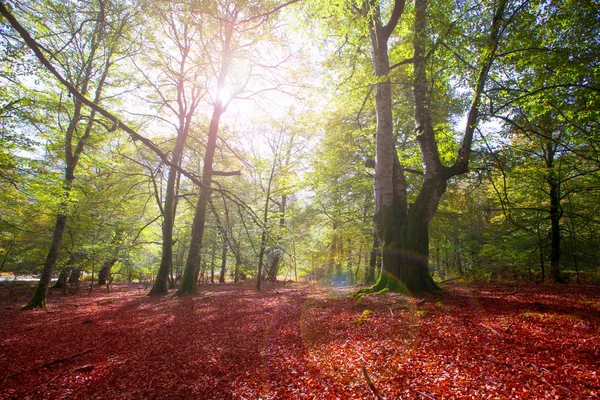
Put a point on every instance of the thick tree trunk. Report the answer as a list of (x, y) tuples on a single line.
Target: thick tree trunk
[(61, 282), (406, 259), (63, 277), (74, 276), (273, 259), (105, 271)]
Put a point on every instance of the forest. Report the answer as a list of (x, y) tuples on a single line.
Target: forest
[(299, 199)]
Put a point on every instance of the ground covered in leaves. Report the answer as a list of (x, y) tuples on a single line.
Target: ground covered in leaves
[(304, 342)]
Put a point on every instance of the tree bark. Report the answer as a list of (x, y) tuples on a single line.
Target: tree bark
[(185, 110), (38, 300)]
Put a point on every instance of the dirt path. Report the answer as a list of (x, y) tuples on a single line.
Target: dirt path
[(302, 341)]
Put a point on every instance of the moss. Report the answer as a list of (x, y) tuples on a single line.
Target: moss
[(364, 317), (360, 300), (187, 286), (38, 300), (424, 313)]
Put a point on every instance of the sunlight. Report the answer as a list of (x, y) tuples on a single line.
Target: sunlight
[(224, 95)]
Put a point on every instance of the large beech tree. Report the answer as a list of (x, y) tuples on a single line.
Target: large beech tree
[(403, 228)]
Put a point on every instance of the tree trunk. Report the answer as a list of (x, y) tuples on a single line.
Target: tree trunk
[(541, 247), (38, 300), (405, 260), (192, 266), (370, 271), (61, 282), (223, 259), (555, 215), (161, 283), (403, 230), (74, 148), (212, 262), (74, 276), (105, 271), (272, 265)]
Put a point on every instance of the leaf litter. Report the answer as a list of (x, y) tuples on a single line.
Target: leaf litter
[(305, 341)]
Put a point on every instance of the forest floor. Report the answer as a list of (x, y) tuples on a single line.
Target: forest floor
[(303, 341)]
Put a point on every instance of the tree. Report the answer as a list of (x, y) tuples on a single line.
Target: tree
[(238, 26), (180, 90), (548, 112), (403, 227), (86, 56)]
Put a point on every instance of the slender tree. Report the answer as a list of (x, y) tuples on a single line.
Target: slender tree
[(181, 89), (87, 58)]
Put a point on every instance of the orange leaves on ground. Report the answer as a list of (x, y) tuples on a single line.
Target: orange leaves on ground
[(301, 341)]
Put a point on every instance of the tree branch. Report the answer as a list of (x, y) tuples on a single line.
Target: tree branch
[(79, 96)]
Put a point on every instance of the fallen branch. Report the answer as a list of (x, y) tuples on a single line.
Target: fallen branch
[(370, 383), (426, 395), (495, 332), (56, 361)]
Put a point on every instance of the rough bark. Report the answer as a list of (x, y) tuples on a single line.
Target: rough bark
[(74, 276), (61, 282)]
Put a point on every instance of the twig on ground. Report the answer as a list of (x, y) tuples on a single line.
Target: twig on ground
[(495, 332), (370, 383), (426, 395)]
